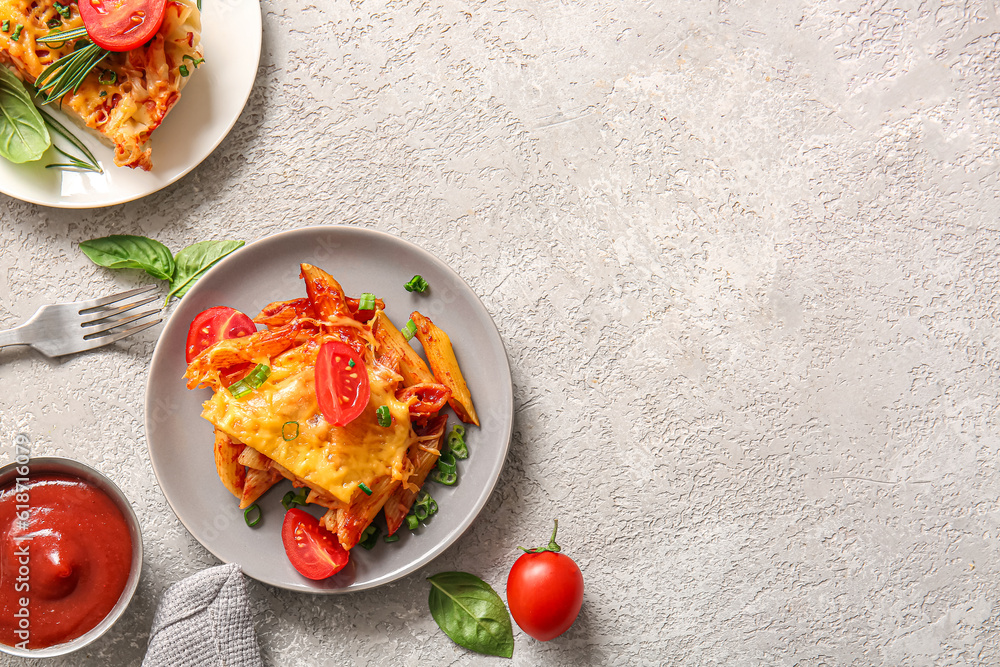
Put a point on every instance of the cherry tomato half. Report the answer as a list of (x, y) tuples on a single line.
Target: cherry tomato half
[(313, 550), (545, 592), (215, 324), (342, 388), (122, 25)]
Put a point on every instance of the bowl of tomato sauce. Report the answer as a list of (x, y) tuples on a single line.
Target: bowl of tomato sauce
[(70, 556)]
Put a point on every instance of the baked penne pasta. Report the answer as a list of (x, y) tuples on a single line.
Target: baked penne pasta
[(284, 426)]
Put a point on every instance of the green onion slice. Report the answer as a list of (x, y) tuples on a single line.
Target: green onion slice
[(5, 26), (252, 521), (412, 522), (350, 363), (17, 32), (456, 443), (364, 488), (409, 330), (416, 284), (446, 478), (108, 77), (290, 431), (389, 539), (256, 378), (293, 498), (367, 301), (184, 71), (369, 537), (384, 416)]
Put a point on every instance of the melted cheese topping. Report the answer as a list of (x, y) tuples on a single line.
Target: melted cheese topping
[(332, 459), (148, 79)]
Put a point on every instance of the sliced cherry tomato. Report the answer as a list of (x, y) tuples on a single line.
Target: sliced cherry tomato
[(312, 549), (215, 324), (342, 388), (122, 25), (545, 591)]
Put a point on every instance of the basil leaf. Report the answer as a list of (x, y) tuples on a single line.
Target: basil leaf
[(124, 251), (471, 613), (195, 260), (23, 135)]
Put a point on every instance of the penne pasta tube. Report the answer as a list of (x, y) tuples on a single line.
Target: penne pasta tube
[(441, 355), (413, 369), (231, 471), (257, 482)]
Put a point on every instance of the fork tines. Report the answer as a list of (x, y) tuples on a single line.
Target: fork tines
[(109, 314)]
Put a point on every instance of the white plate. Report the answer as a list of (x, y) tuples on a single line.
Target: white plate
[(209, 107), (180, 441)]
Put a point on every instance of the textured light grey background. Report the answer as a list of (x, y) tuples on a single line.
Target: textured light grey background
[(743, 255)]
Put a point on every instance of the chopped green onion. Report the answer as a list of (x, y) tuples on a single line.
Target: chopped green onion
[(367, 301), (409, 330), (194, 61), (255, 520), (369, 537), (424, 507), (54, 23), (293, 498), (364, 487), (350, 363), (412, 522), (416, 284), (184, 70), (384, 417), (456, 443), (446, 478), (256, 378), (5, 25), (63, 10), (288, 434), (104, 93), (108, 77), (17, 32), (389, 539)]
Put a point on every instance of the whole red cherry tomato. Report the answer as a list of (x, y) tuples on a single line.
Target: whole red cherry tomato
[(342, 388), (312, 549), (545, 591), (121, 25)]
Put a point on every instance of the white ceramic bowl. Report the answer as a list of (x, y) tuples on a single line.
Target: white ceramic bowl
[(59, 465)]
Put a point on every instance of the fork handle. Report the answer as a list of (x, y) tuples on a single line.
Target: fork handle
[(13, 336)]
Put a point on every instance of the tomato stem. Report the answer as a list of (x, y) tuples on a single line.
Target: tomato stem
[(552, 543)]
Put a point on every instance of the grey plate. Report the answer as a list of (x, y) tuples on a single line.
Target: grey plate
[(180, 441)]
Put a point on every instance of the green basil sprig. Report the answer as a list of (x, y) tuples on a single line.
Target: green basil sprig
[(124, 251), (469, 611), (23, 134), (195, 260)]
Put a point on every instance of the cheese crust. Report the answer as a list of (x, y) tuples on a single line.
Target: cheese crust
[(331, 459), (146, 81)]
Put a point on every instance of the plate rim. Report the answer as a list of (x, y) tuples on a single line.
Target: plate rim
[(439, 548), (181, 174)]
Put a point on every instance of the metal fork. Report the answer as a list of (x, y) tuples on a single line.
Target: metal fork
[(65, 328)]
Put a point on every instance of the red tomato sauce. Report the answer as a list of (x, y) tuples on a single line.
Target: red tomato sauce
[(63, 568)]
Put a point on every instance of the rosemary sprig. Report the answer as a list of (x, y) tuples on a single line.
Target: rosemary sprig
[(90, 164), (59, 38), (66, 74)]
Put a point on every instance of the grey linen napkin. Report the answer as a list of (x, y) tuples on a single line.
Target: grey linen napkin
[(204, 621)]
